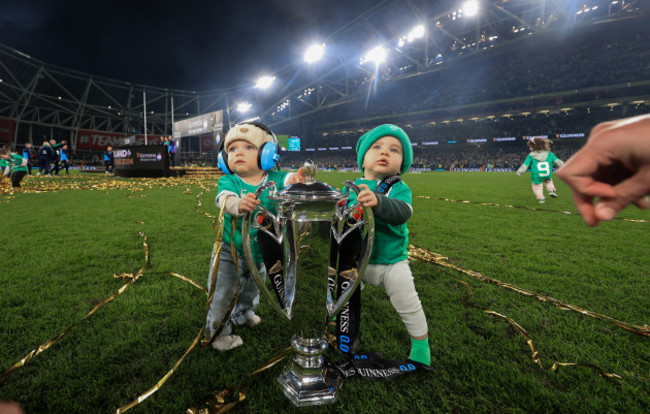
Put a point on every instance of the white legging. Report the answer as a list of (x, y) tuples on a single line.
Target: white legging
[(397, 279), (538, 188)]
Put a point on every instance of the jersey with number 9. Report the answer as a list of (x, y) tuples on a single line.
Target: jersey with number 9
[(541, 170)]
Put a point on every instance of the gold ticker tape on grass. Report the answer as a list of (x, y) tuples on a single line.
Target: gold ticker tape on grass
[(519, 207), (424, 255), (216, 253), (226, 400), (32, 184), (220, 405), (133, 278)]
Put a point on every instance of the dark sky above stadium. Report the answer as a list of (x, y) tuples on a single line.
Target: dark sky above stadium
[(190, 44)]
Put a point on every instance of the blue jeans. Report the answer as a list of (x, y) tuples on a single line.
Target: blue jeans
[(249, 293)]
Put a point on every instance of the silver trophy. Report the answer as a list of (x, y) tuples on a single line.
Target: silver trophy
[(312, 220)]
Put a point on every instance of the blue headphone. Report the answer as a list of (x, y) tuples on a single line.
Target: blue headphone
[(267, 156)]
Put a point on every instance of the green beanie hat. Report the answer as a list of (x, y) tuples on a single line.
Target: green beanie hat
[(367, 139)]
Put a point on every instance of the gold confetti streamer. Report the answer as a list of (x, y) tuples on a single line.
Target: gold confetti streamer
[(216, 403), (159, 384), (434, 258), (101, 182), (132, 279), (424, 255), (214, 265), (282, 355), (216, 254)]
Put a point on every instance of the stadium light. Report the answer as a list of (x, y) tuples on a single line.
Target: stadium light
[(376, 55), (314, 53), (416, 33), (470, 8), (243, 107), (263, 82)]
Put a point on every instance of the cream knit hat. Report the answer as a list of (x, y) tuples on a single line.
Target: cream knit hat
[(254, 133)]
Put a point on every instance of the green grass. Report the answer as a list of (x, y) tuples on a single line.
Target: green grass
[(59, 251)]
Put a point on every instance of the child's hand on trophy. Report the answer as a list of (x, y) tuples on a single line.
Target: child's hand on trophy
[(248, 203), (297, 177), (366, 197)]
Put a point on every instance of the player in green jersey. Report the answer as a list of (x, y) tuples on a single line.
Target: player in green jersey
[(541, 161)]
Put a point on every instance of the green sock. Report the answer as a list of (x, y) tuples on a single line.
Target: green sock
[(420, 351)]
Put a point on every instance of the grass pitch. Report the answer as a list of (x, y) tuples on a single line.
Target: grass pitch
[(60, 247)]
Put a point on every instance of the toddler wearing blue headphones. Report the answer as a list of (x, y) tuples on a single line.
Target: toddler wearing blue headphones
[(248, 155)]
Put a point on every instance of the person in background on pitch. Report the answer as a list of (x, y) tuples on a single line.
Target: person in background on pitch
[(612, 170), (170, 144), (109, 160), (5, 168), (243, 160), (384, 154), (541, 161), (18, 165), (45, 154), (28, 155), (65, 158), (56, 156)]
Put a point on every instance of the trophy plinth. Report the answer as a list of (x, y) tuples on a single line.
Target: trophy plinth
[(303, 381), (296, 248)]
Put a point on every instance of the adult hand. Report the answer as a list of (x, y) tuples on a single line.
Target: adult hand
[(366, 197), (297, 177), (614, 165), (248, 203)]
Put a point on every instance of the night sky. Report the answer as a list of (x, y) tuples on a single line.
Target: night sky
[(190, 45)]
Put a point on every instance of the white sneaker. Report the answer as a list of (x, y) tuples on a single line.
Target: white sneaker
[(254, 321), (552, 194), (227, 342)]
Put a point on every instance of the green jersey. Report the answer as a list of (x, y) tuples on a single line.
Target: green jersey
[(541, 165), (3, 164), (232, 184), (16, 162), (391, 240)]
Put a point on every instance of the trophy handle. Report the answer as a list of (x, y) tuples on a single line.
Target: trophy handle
[(368, 236), (248, 252)]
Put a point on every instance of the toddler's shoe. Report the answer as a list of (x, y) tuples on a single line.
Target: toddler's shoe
[(227, 342), (541, 200), (552, 194), (253, 321)]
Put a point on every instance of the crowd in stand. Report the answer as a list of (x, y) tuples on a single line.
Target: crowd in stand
[(503, 146), (506, 156), (545, 63)]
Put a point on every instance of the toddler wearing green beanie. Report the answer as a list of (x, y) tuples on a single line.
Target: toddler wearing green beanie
[(383, 154)]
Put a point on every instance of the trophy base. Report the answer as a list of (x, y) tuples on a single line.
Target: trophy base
[(304, 382), (306, 391)]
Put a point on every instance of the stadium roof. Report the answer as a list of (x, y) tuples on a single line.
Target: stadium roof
[(38, 93)]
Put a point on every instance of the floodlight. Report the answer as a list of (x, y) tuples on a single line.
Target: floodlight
[(470, 8), (314, 53), (376, 55), (264, 82), (416, 33), (243, 107)]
